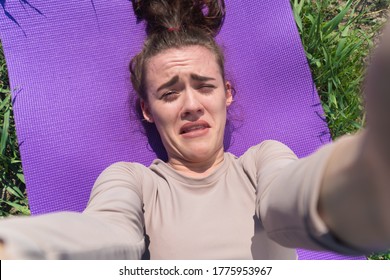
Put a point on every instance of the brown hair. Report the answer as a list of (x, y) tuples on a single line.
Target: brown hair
[(176, 24)]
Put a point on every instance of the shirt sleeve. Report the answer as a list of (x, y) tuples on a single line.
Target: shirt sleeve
[(111, 227), (287, 197)]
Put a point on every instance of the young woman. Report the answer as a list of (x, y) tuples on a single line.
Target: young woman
[(204, 203)]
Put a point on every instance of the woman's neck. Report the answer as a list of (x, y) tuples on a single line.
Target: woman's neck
[(199, 169)]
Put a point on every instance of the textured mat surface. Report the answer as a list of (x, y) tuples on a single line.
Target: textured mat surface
[(68, 65)]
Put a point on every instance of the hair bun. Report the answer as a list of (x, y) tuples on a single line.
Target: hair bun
[(163, 15)]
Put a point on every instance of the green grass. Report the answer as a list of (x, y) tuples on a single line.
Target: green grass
[(337, 37), (383, 256), (13, 200)]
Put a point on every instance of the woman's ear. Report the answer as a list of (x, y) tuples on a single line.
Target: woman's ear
[(229, 94), (146, 111)]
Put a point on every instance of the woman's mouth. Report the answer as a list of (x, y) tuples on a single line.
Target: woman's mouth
[(194, 129)]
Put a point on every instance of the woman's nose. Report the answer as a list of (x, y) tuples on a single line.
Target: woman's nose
[(191, 104)]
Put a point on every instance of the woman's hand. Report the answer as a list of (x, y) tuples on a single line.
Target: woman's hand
[(377, 97), (376, 146), (3, 255)]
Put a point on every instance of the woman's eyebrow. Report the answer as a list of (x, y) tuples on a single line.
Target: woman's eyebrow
[(170, 83), (175, 79), (201, 78)]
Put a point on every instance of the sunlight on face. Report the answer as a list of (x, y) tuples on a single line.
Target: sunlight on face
[(187, 101)]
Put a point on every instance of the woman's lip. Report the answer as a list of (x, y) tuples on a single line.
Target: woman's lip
[(195, 133), (193, 126)]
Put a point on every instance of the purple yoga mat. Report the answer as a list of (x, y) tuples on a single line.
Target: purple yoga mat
[(68, 66)]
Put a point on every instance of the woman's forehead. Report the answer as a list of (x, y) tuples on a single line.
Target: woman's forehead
[(195, 59)]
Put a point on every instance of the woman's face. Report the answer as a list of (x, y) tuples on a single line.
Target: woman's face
[(187, 101)]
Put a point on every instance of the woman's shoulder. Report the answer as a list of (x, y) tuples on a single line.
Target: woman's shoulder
[(126, 172), (265, 152), (124, 167), (123, 174), (268, 147)]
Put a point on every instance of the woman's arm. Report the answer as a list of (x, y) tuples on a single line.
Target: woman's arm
[(289, 193), (339, 197), (355, 196), (111, 227)]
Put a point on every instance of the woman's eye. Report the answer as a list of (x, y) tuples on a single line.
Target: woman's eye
[(169, 96), (206, 88)]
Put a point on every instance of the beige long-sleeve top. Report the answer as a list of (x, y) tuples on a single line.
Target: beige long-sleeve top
[(251, 207)]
